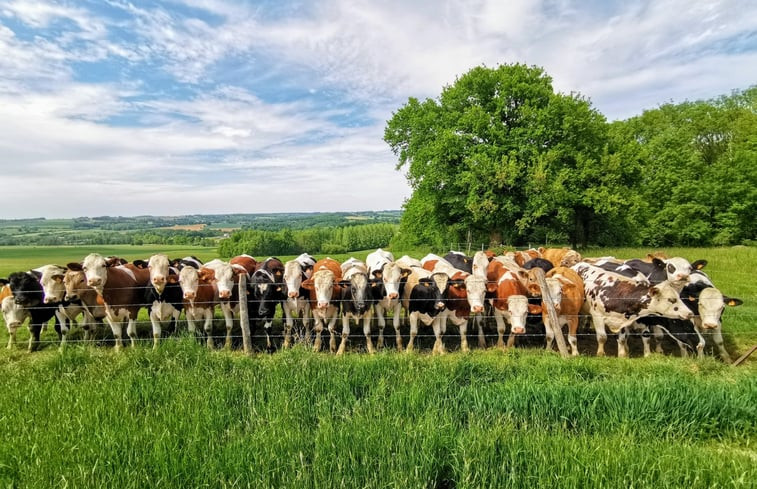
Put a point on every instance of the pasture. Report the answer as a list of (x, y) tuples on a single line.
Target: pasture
[(181, 416)]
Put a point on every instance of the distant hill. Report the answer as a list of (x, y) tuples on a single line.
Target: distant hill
[(196, 229)]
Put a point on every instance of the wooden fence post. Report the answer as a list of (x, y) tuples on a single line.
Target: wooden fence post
[(553, 319), (244, 318)]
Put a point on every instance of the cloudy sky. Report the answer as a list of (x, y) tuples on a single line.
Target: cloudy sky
[(114, 107)]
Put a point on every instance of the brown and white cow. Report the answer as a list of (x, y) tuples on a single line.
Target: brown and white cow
[(324, 291), (566, 289), (510, 301), (356, 301), (616, 301), (297, 302), (82, 298), (14, 314), (122, 290), (200, 298), (227, 284), (465, 296)]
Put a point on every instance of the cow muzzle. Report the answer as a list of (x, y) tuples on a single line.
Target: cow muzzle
[(709, 325), (439, 305), (95, 282), (393, 295), (292, 294), (477, 309), (189, 296), (224, 294), (322, 305), (518, 330)]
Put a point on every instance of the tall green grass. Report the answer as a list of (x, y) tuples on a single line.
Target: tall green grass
[(184, 417)]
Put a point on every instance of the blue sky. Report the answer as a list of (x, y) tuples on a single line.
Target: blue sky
[(116, 107)]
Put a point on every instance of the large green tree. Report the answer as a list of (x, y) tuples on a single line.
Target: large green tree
[(501, 156)]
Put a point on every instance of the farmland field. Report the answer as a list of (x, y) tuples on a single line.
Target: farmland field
[(181, 416)]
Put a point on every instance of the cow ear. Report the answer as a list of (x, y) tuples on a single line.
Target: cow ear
[(58, 278), (308, 284), (173, 279), (732, 301), (653, 291), (76, 267), (343, 283), (658, 263), (137, 263), (491, 286), (4, 281), (541, 250), (278, 289), (378, 273), (534, 309), (699, 264), (405, 273)]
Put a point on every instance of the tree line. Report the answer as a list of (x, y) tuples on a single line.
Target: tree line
[(317, 240), (500, 157)]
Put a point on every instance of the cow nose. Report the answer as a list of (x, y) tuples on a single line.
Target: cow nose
[(224, 294), (440, 305), (477, 309), (709, 325), (293, 294), (322, 305), (519, 330), (94, 282), (189, 295), (71, 297), (393, 295)]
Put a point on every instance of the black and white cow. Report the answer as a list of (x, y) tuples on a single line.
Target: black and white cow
[(387, 291), (265, 292), (423, 299), (164, 298), (460, 261), (617, 301), (297, 302), (357, 301), (28, 293)]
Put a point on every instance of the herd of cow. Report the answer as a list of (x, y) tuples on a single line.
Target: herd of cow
[(658, 294)]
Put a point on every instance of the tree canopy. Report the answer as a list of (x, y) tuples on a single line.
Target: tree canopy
[(501, 157)]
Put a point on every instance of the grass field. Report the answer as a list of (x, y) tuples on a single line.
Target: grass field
[(181, 416)]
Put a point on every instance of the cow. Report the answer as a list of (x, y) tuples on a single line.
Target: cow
[(297, 303), (164, 298), (465, 296), (460, 261), (560, 257), (505, 281), (388, 293), (423, 299), (265, 291), (618, 302), (566, 289), (122, 290), (226, 281), (357, 301), (28, 292), (674, 270), (51, 278), (324, 291), (521, 257), (187, 261), (82, 298), (200, 294), (14, 316)]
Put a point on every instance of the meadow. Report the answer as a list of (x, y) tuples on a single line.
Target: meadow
[(181, 416)]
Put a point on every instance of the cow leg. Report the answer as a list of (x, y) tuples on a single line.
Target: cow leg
[(228, 317), (623, 342), (156, 327), (381, 324), (318, 328), (61, 326), (717, 336), (267, 328), (35, 330), (208, 326), (646, 338), (12, 336), (397, 321), (464, 336), (438, 326), (131, 330), (548, 331), (117, 329), (288, 324), (88, 325), (481, 337), (499, 318), (367, 333), (306, 316), (658, 337), (332, 334), (573, 334), (345, 335), (599, 327), (413, 331)]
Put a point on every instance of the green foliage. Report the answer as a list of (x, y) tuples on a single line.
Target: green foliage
[(328, 240), (502, 157)]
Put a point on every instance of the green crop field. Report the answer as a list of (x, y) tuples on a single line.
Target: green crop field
[(181, 416)]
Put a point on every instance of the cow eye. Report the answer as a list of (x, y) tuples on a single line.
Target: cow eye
[(672, 301), (675, 309), (671, 268)]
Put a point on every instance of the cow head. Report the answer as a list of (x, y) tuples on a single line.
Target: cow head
[(158, 266), (52, 283), (293, 278), (555, 292), (677, 270), (517, 308), (441, 281), (476, 290), (95, 269), (14, 314), (265, 289), (392, 276), (225, 280), (74, 282), (325, 286), (189, 281), (663, 299), (27, 291), (480, 263), (359, 293), (711, 305)]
